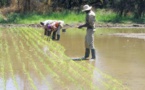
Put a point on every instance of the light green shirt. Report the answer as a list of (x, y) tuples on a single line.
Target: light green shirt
[(90, 20)]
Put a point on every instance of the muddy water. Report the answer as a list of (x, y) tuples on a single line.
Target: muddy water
[(119, 56), (29, 62)]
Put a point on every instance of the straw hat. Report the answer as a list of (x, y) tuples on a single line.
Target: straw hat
[(86, 8)]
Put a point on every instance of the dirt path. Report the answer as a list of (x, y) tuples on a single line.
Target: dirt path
[(75, 25), (107, 25)]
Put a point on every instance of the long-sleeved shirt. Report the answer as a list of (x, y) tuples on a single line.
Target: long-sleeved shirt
[(90, 20)]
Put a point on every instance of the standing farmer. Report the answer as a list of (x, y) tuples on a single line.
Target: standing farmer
[(89, 38)]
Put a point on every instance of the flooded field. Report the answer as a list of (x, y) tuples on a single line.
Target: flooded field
[(120, 53), (28, 61)]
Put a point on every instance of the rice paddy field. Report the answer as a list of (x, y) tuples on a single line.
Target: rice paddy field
[(28, 61)]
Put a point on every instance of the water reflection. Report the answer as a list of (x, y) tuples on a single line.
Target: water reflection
[(22, 83), (46, 49)]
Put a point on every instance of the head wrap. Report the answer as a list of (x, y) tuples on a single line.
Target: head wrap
[(49, 26)]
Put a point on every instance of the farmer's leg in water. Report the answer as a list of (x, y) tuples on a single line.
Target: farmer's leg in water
[(58, 33), (45, 32), (89, 44), (54, 35)]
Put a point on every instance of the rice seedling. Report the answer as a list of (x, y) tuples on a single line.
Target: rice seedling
[(23, 64), (53, 62), (10, 66), (74, 72), (2, 69), (36, 66), (3, 84), (104, 83), (47, 68), (29, 77), (29, 45)]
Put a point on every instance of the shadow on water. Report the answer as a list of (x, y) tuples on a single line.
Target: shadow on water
[(78, 59)]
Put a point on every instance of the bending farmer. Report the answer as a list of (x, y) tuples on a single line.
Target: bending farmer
[(52, 26)]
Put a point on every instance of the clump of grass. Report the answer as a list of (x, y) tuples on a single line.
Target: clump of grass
[(104, 15), (108, 15)]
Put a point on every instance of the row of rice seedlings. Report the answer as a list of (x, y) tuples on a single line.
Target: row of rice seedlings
[(4, 61), (108, 85), (106, 80), (35, 66), (30, 57), (49, 57), (23, 64), (101, 72), (38, 35), (41, 60), (41, 40), (33, 39), (112, 82), (10, 65), (66, 73), (76, 73), (16, 49), (56, 50), (11, 68), (2, 68), (110, 79), (29, 77), (30, 40), (46, 65)]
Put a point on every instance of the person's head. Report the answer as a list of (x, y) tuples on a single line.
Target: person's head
[(86, 8), (41, 23)]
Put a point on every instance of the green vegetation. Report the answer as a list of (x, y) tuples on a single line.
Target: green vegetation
[(102, 16), (33, 59), (105, 16), (31, 18), (120, 11)]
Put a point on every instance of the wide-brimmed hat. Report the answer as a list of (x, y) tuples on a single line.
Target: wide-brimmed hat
[(86, 8)]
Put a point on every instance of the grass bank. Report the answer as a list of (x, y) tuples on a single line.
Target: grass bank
[(102, 16), (30, 18)]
